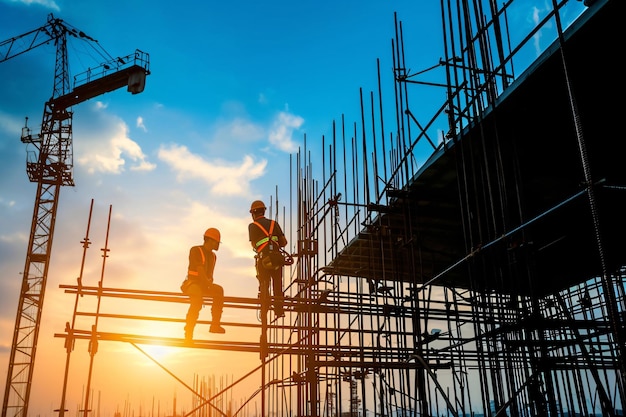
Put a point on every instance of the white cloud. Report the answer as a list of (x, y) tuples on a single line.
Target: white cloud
[(10, 124), (281, 134), (140, 124), (7, 203), (50, 4), (110, 155), (238, 130), (537, 36), (15, 237), (223, 178)]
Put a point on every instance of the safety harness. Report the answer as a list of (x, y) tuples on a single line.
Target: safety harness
[(261, 244), (204, 264)]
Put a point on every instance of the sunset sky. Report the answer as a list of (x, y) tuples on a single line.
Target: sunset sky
[(234, 89)]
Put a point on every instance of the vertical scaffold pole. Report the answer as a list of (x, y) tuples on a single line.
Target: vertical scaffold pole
[(69, 342)]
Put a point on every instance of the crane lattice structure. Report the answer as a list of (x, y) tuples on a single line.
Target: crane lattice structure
[(50, 165)]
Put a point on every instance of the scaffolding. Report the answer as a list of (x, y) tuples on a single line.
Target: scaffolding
[(464, 266), (470, 264)]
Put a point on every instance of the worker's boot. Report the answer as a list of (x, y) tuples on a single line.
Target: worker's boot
[(279, 311), (215, 323), (278, 306)]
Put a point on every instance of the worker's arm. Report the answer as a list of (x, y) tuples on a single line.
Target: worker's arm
[(282, 240), (204, 278), (251, 228), (211, 260)]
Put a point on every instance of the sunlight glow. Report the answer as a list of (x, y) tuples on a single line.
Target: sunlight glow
[(159, 353)]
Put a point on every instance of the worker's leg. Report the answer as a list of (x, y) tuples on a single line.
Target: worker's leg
[(217, 293), (195, 305), (263, 275), (277, 289)]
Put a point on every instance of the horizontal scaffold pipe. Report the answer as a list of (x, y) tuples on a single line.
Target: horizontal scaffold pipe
[(161, 341), (172, 297)]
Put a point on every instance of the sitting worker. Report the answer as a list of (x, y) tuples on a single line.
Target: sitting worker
[(199, 283)]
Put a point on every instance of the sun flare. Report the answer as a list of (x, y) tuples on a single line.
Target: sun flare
[(158, 352)]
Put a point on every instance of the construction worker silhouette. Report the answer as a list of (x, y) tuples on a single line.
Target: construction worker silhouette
[(200, 283), (266, 238)]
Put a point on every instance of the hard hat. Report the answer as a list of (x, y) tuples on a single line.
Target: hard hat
[(257, 204), (213, 233)]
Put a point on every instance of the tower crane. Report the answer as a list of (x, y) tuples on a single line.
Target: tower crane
[(50, 165)]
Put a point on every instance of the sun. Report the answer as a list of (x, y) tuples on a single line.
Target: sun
[(158, 352)]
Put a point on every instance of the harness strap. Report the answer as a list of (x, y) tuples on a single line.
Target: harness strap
[(260, 245), (195, 273)]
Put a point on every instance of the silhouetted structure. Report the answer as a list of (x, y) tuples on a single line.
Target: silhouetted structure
[(469, 260)]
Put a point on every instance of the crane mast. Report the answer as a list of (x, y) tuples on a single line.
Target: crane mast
[(50, 165)]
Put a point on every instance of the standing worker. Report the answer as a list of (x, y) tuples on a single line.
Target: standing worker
[(267, 239), (199, 283)]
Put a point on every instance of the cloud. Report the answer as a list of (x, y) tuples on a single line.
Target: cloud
[(223, 178), (536, 36), (140, 124), (110, 155), (10, 124), (238, 130), (6, 203), (281, 133), (49, 4)]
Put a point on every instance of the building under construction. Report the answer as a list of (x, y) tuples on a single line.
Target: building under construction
[(463, 262)]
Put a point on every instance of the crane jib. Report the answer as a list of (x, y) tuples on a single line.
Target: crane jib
[(133, 77)]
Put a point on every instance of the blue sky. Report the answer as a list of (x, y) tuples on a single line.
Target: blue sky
[(234, 88)]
